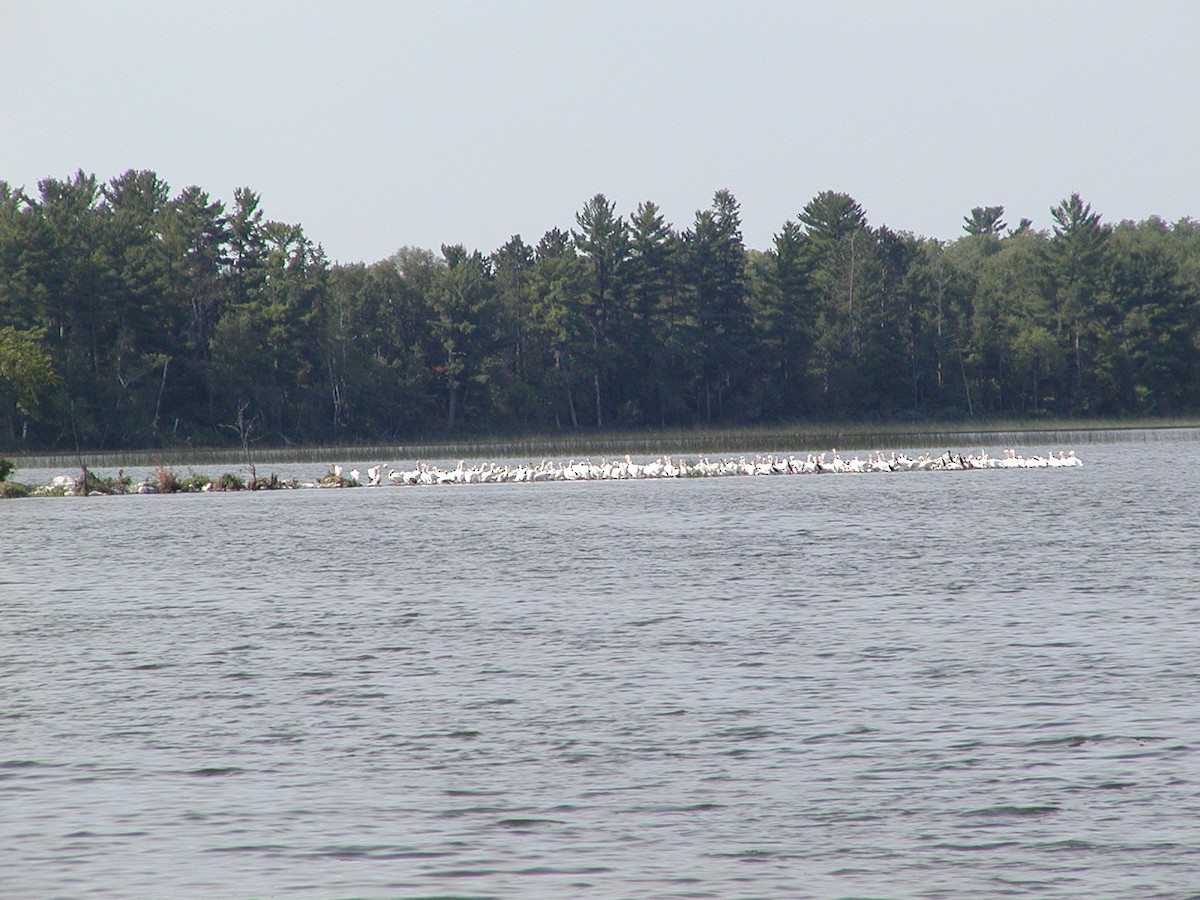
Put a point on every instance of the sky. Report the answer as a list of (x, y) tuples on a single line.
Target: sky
[(378, 125)]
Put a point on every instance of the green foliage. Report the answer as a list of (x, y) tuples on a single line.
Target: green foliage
[(26, 370), (191, 482), (985, 221), (134, 316), (91, 483), (228, 482), (463, 324), (831, 216), (6, 468)]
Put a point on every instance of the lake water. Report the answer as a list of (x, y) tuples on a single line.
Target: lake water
[(928, 684)]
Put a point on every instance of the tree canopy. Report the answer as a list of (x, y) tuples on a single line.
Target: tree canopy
[(131, 315)]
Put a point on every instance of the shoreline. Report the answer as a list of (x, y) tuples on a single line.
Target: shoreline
[(620, 468), (783, 439)]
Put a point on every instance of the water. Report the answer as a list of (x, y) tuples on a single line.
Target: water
[(946, 684)]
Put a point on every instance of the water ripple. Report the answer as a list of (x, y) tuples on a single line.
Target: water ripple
[(822, 687)]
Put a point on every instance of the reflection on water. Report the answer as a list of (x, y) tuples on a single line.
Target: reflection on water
[(940, 684)]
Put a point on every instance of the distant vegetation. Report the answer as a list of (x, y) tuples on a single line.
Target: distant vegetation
[(131, 317)]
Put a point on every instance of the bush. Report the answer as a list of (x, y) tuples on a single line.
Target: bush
[(168, 482), (194, 482), (228, 482), (6, 468), (10, 490), (91, 483), (336, 479)]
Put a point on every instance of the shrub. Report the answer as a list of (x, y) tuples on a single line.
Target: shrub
[(194, 482), (228, 482), (6, 468), (336, 479), (91, 483), (168, 482), (10, 490)]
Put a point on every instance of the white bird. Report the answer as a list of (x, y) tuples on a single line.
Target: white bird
[(668, 467)]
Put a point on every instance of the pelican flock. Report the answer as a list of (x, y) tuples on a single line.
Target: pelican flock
[(700, 467), (617, 469)]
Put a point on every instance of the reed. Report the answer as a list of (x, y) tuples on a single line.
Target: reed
[(773, 439)]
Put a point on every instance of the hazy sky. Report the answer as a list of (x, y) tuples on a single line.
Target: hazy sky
[(378, 125)]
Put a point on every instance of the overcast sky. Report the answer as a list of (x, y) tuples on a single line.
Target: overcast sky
[(379, 125)]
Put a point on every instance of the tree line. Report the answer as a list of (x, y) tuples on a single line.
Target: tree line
[(131, 317)]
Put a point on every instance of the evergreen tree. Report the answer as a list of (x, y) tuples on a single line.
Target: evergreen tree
[(784, 316), (463, 306), (652, 368), (146, 327), (131, 317), (846, 278), (717, 296), (603, 243), (511, 388), (1077, 272), (1153, 346), (985, 221), (557, 285)]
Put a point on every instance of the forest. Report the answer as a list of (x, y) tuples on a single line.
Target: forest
[(135, 317)]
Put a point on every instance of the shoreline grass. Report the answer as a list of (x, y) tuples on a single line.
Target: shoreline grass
[(802, 436)]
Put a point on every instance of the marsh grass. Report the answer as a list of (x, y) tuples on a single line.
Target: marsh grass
[(848, 436)]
